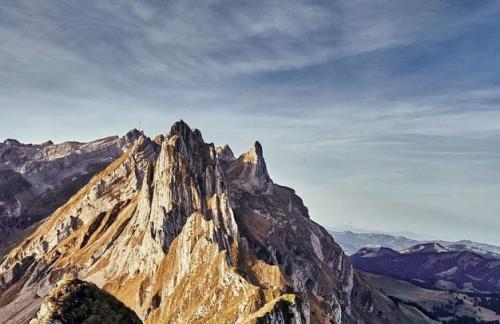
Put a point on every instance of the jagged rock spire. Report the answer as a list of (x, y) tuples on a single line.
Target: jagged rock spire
[(255, 156), (251, 170), (225, 153), (188, 135), (133, 134), (11, 142)]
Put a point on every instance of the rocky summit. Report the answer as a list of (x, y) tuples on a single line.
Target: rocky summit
[(181, 231)]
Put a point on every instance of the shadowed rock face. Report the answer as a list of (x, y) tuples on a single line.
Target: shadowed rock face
[(181, 231), (37, 179), (76, 301)]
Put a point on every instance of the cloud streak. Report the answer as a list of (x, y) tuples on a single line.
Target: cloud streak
[(393, 104)]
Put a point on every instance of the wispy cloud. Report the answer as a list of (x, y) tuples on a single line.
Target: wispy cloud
[(397, 102)]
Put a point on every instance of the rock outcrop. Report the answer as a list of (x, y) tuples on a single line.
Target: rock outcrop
[(76, 301), (183, 232), (37, 179)]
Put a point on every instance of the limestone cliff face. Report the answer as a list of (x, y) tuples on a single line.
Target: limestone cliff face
[(183, 232), (37, 179)]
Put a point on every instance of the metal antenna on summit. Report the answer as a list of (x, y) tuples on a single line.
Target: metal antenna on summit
[(139, 125)]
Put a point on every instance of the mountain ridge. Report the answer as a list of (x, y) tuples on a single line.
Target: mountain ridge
[(174, 222), (36, 179), (433, 266), (352, 242)]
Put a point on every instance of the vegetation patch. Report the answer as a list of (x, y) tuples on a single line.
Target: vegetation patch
[(76, 301)]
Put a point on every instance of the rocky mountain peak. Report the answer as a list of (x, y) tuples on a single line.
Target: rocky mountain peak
[(225, 153), (431, 247), (372, 252), (15, 143), (47, 143), (133, 134), (256, 156), (185, 133), (11, 142), (188, 143), (180, 235), (251, 170)]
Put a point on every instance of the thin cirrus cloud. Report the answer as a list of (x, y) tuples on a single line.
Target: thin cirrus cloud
[(383, 115)]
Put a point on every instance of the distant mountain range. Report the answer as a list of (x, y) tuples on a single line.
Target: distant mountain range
[(450, 282), (434, 266), (351, 242)]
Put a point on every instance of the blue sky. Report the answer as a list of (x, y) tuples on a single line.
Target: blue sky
[(383, 115)]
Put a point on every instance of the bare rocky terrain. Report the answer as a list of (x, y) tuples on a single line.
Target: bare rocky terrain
[(182, 231), (36, 179)]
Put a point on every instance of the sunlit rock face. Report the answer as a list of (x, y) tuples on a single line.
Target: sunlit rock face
[(37, 179), (181, 231)]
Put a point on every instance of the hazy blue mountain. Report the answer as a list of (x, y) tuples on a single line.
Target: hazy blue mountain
[(432, 265), (352, 242)]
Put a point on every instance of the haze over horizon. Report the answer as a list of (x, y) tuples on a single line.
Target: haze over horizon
[(382, 116)]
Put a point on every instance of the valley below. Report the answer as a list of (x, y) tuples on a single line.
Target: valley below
[(449, 282)]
